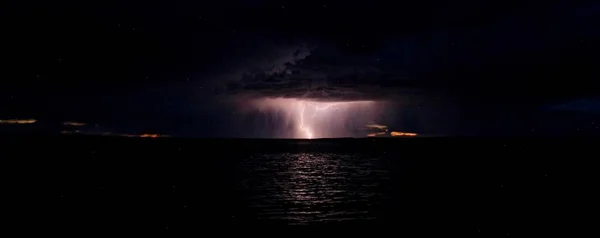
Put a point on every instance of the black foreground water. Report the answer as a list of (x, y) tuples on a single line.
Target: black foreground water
[(86, 185)]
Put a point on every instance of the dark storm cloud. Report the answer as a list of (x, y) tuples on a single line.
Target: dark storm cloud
[(313, 74), (515, 50)]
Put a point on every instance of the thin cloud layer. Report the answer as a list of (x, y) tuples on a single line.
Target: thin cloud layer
[(591, 105), (73, 123), (78, 132)]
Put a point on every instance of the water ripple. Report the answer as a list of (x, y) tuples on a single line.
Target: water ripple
[(308, 188)]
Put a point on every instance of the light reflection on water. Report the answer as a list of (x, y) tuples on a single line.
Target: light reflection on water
[(309, 188)]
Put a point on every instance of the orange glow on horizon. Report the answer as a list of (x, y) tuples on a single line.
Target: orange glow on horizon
[(150, 135), (376, 134), (397, 133), (18, 121)]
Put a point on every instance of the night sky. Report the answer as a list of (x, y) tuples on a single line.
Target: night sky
[(209, 69)]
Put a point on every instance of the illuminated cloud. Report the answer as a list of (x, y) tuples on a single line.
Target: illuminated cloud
[(18, 121), (112, 134), (376, 130), (397, 133), (376, 134), (377, 126)]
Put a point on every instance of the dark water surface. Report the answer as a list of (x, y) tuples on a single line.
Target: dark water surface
[(501, 186), (314, 188)]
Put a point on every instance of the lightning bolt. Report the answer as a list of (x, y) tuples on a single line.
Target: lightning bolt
[(323, 108), (303, 104), (302, 127)]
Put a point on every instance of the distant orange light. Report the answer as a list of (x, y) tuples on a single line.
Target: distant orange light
[(376, 134), (150, 135), (397, 133), (142, 135), (18, 121)]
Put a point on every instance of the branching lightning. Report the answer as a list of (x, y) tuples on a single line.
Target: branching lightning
[(311, 119), (302, 127), (317, 109)]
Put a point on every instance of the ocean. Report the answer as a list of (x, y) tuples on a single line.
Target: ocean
[(84, 185)]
